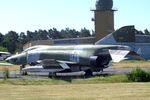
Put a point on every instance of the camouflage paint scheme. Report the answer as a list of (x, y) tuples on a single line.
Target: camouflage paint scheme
[(93, 56)]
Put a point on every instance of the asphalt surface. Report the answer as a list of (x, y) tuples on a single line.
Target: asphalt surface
[(39, 75)]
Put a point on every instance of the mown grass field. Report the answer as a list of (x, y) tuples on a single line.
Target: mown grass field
[(10, 68), (103, 91), (116, 87), (98, 88), (132, 64)]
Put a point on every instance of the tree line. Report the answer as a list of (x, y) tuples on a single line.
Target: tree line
[(13, 41), (146, 32)]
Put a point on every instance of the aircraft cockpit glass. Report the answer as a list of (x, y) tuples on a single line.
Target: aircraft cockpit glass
[(29, 49), (34, 47)]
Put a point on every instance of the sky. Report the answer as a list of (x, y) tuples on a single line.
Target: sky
[(23, 15)]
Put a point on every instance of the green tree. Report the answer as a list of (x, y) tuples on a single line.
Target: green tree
[(22, 39), (3, 49), (146, 32), (54, 33), (10, 41), (42, 35), (84, 33), (30, 36), (14, 42), (1, 38)]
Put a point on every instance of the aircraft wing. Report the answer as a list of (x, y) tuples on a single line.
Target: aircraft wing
[(53, 62)]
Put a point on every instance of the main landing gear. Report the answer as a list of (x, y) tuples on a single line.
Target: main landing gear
[(21, 71)]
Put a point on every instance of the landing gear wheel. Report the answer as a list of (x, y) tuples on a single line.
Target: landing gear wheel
[(24, 73), (52, 74), (88, 72)]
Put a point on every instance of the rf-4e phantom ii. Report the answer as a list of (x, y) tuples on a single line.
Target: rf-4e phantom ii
[(4, 55), (69, 59)]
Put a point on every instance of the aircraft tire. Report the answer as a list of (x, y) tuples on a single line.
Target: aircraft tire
[(52, 74), (88, 72), (24, 73)]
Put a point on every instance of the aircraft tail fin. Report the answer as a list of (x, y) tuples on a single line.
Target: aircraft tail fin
[(118, 55)]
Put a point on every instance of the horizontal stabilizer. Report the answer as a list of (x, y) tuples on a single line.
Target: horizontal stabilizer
[(53, 62), (118, 55), (49, 62), (135, 55)]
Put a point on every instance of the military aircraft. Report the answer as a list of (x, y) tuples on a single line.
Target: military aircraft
[(73, 58), (4, 55)]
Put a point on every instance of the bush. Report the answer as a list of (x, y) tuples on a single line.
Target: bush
[(3, 49), (138, 75)]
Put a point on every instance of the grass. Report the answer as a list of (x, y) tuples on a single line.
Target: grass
[(122, 64), (108, 79), (93, 80), (33, 82), (116, 87), (10, 68), (137, 74), (103, 91), (132, 64)]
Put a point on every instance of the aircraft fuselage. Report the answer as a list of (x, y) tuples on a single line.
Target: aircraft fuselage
[(97, 56)]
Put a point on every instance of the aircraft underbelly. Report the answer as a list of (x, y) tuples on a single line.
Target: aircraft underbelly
[(40, 68)]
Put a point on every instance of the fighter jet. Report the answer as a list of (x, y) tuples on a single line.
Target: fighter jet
[(4, 55), (73, 58)]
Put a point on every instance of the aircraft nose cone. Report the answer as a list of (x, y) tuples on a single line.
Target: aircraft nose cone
[(11, 60), (17, 59), (7, 60)]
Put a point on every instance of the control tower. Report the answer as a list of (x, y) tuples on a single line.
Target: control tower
[(103, 19)]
